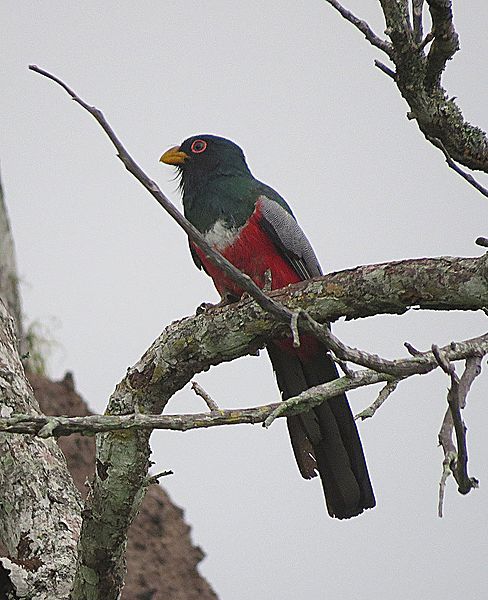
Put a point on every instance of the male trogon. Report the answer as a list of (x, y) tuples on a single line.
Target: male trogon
[(253, 227)]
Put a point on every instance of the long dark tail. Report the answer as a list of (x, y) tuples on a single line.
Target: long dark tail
[(326, 438)]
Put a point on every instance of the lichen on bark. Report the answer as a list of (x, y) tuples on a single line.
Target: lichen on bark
[(40, 508)]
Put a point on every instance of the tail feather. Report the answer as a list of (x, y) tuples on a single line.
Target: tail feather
[(326, 438)]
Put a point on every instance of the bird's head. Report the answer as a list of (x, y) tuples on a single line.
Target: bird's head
[(202, 157)]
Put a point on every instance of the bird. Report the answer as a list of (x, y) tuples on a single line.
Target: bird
[(254, 228)]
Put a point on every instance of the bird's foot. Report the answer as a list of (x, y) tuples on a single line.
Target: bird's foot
[(208, 306)]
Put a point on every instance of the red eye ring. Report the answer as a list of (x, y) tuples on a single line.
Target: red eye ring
[(198, 146)]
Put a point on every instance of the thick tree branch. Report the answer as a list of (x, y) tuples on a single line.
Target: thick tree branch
[(40, 509)]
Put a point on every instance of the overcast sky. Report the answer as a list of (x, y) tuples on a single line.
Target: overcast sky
[(104, 269)]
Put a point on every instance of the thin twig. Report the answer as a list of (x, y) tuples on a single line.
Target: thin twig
[(444, 363), (427, 39), (242, 280), (363, 27), (315, 395), (154, 479), (385, 392), (417, 9), (395, 368), (411, 349), (342, 364), (456, 459), (467, 176), (382, 67), (457, 400), (199, 391), (446, 471)]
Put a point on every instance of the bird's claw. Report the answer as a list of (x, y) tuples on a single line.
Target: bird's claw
[(208, 306)]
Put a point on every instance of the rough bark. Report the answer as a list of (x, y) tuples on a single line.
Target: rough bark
[(196, 343), (9, 288), (40, 508), (162, 561)]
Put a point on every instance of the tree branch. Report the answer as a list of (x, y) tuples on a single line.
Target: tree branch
[(44, 426), (384, 394), (456, 460), (363, 27), (418, 78), (209, 401), (417, 10), (452, 165), (446, 41)]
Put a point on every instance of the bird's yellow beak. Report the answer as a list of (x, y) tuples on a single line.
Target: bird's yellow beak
[(174, 156)]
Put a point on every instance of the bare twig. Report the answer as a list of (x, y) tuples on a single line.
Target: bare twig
[(456, 460), (411, 349), (444, 363), (467, 176), (446, 471), (154, 479), (315, 395), (363, 27), (385, 392), (457, 400), (395, 368), (199, 391), (243, 281), (427, 39), (342, 364), (417, 8), (382, 67)]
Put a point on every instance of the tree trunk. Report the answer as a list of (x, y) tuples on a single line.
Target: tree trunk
[(9, 288)]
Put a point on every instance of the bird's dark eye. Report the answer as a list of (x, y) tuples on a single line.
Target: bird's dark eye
[(198, 146)]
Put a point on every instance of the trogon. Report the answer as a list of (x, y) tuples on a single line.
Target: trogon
[(254, 228)]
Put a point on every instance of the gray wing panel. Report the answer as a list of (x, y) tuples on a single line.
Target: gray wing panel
[(289, 237)]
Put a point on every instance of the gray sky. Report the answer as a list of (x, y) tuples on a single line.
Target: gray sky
[(105, 269)]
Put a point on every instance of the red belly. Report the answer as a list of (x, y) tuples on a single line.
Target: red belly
[(253, 253)]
